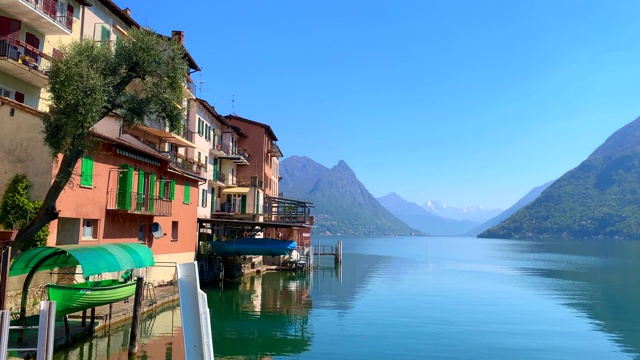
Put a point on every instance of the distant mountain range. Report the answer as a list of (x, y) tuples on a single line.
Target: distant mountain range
[(597, 199), (476, 214), (343, 206), (531, 196), (422, 219)]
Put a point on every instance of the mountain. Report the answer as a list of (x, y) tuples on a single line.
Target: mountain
[(419, 218), (477, 214), (597, 199), (531, 195), (343, 206)]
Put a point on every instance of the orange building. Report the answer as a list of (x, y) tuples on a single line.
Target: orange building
[(126, 193)]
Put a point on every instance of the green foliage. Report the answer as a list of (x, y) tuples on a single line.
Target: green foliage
[(89, 81), (16, 209), (598, 199)]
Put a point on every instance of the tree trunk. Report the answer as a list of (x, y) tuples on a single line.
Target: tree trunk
[(48, 211)]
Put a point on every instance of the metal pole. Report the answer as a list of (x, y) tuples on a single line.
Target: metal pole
[(5, 316), (137, 309), (4, 276)]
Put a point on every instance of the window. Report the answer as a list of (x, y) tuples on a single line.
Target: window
[(86, 172), (141, 233), (187, 193), (206, 132), (206, 163), (89, 229), (172, 189), (200, 126), (203, 198), (174, 231)]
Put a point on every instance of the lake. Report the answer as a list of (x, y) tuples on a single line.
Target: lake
[(429, 297)]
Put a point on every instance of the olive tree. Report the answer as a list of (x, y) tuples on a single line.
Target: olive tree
[(142, 76)]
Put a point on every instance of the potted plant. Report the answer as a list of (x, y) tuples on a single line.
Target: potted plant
[(26, 60)]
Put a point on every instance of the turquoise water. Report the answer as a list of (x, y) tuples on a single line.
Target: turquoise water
[(439, 298)]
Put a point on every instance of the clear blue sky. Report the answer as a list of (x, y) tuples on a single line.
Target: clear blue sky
[(462, 102)]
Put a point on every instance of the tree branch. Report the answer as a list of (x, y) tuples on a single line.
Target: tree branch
[(48, 211)]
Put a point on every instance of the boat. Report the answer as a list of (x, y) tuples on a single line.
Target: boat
[(253, 246), (72, 298)]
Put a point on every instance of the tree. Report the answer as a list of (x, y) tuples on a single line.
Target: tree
[(142, 78), (16, 209)]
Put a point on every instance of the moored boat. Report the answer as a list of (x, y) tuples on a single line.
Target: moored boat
[(77, 297)]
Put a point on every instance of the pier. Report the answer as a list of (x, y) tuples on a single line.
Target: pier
[(329, 250)]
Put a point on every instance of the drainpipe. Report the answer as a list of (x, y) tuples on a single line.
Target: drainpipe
[(82, 22)]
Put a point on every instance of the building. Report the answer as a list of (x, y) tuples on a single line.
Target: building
[(136, 185)]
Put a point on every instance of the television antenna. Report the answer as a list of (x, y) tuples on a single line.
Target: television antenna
[(233, 105)]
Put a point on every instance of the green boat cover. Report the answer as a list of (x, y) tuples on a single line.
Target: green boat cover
[(94, 259)]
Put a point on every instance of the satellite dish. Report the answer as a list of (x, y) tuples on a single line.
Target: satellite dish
[(156, 230)]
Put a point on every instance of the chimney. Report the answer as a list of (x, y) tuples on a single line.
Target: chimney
[(178, 36), (128, 11)]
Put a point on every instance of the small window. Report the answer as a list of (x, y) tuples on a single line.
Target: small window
[(141, 233), (206, 163), (86, 173), (174, 231), (89, 229), (203, 198)]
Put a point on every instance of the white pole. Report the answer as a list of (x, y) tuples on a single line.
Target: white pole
[(5, 315)]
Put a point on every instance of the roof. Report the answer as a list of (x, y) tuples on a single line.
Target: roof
[(212, 110), (265, 126), (238, 131), (94, 259), (129, 145), (27, 108), (187, 55), (123, 15)]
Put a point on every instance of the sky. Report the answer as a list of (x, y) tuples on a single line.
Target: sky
[(462, 102)]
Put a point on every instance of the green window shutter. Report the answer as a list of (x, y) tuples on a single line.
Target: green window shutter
[(152, 192), (200, 126), (140, 201), (203, 198), (105, 34), (206, 132), (172, 190), (243, 206), (215, 169), (162, 181), (206, 163), (199, 157), (187, 193), (213, 200), (86, 173), (125, 187)]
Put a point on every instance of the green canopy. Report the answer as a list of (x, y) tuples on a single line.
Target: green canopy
[(94, 259)]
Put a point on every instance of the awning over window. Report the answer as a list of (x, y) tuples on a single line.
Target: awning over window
[(236, 190), (94, 259)]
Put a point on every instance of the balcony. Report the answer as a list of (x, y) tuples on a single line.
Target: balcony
[(137, 203), (24, 61), (217, 151), (187, 164), (292, 211), (251, 181), (42, 15), (219, 177), (189, 89), (238, 157), (274, 150), (182, 139)]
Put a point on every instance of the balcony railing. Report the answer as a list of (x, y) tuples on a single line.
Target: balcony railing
[(240, 157), (187, 164), (27, 55), (278, 209), (219, 176), (138, 203), (186, 134), (50, 9)]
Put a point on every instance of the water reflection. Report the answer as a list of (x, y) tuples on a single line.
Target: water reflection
[(260, 316), (160, 338), (598, 278)]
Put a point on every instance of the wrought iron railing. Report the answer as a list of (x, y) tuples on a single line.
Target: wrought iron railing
[(219, 176), (187, 164), (138, 203), (50, 9), (25, 54)]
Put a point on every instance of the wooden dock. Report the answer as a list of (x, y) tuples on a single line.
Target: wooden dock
[(329, 250)]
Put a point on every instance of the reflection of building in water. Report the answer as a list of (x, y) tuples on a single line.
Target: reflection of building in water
[(160, 338), (263, 315)]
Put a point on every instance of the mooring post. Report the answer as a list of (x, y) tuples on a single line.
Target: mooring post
[(67, 332), (92, 321), (137, 309), (84, 317), (110, 312)]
